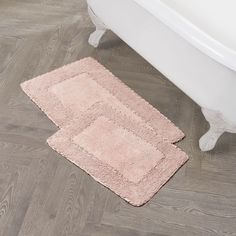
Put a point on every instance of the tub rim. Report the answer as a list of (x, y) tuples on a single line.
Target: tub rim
[(190, 32)]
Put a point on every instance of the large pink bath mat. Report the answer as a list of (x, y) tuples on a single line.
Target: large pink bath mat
[(108, 130), (119, 152), (67, 92)]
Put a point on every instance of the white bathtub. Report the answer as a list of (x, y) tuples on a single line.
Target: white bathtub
[(192, 42)]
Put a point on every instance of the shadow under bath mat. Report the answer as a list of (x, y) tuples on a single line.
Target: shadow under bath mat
[(118, 152), (66, 92)]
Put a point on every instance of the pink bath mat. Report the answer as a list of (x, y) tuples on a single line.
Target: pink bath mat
[(69, 91), (108, 130), (118, 152)]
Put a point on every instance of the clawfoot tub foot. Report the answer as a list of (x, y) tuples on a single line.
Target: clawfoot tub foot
[(218, 125), (96, 36)]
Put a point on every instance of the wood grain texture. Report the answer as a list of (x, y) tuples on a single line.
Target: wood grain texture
[(43, 194)]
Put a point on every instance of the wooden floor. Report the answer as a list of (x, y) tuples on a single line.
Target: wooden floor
[(41, 193)]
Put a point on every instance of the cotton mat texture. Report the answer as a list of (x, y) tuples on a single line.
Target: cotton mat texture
[(108, 130)]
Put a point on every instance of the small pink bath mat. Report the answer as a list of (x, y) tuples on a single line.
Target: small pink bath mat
[(118, 152), (69, 91)]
